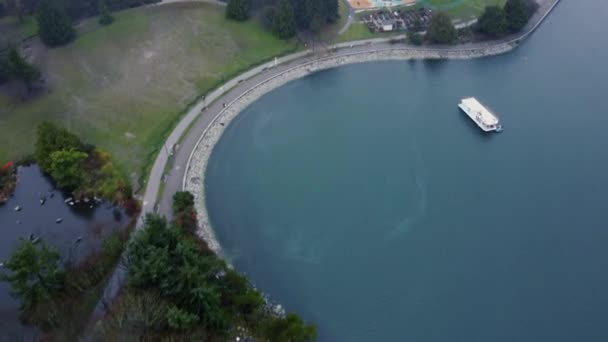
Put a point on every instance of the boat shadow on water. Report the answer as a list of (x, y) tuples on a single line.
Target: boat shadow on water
[(466, 122)]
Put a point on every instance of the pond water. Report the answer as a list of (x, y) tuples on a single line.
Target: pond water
[(363, 199), (82, 228)]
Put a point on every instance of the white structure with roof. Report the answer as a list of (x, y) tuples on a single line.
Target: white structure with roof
[(483, 117)]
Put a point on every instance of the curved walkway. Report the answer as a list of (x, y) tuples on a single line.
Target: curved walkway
[(170, 166), (349, 20)]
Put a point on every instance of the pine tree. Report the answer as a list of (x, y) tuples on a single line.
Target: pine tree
[(20, 69), (35, 273), (493, 21), (238, 9), (54, 26), (330, 9), (517, 15), (284, 23), (105, 18)]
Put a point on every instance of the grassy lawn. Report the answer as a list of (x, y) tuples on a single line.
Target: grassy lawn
[(461, 9), (124, 86), (12, 31)]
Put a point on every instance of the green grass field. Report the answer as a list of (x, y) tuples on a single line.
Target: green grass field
[(123, 87), (461, 9)]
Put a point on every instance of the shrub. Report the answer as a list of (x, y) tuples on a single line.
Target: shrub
[(54, 25), (441, 30), (35, 273)]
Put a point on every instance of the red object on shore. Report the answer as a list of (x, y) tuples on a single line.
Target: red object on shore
[(7, 166)]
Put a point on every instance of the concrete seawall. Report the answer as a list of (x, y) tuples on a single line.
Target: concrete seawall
[(194, 177)]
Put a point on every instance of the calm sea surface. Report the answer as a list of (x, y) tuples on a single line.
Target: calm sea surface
[(361, 198)]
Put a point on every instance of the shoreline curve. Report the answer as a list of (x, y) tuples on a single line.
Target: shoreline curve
[(194, 177), (195, 171)]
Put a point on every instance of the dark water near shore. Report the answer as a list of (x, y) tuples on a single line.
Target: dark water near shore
[(362, 198), (90, 221)]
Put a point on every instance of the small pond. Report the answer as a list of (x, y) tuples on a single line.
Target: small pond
[(75, 229)]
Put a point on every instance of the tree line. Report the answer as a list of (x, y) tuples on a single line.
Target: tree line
[(80, 168), (187, 292), (495, 22), (285, 17), (498, 21)]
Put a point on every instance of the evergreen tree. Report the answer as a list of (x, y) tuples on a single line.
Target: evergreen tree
[(238, 9), (105, 17), (493, 21), (20, 69), (517, 15), (314, 14), (303, 11), (54, 26), (441, 30), (284, 24), (5, 71), (330, 11), (35, 273)]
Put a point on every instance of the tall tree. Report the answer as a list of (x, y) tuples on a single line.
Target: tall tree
[(441, 30), (67, 168), (50, 138), (20, 69), (493, 21), (517, 14), (284, 23), (105, 17), (238, 9), (35, 273), (330, 10), (54, 26), (5, 70)]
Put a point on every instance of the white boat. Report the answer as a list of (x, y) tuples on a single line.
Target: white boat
[(483, 117)]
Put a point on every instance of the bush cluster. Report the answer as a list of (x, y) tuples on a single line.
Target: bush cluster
[(82, 169)]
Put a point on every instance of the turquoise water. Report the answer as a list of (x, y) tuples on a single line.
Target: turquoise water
[(362, 198)]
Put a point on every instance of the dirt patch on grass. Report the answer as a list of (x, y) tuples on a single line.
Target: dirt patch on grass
[(134, 76)]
